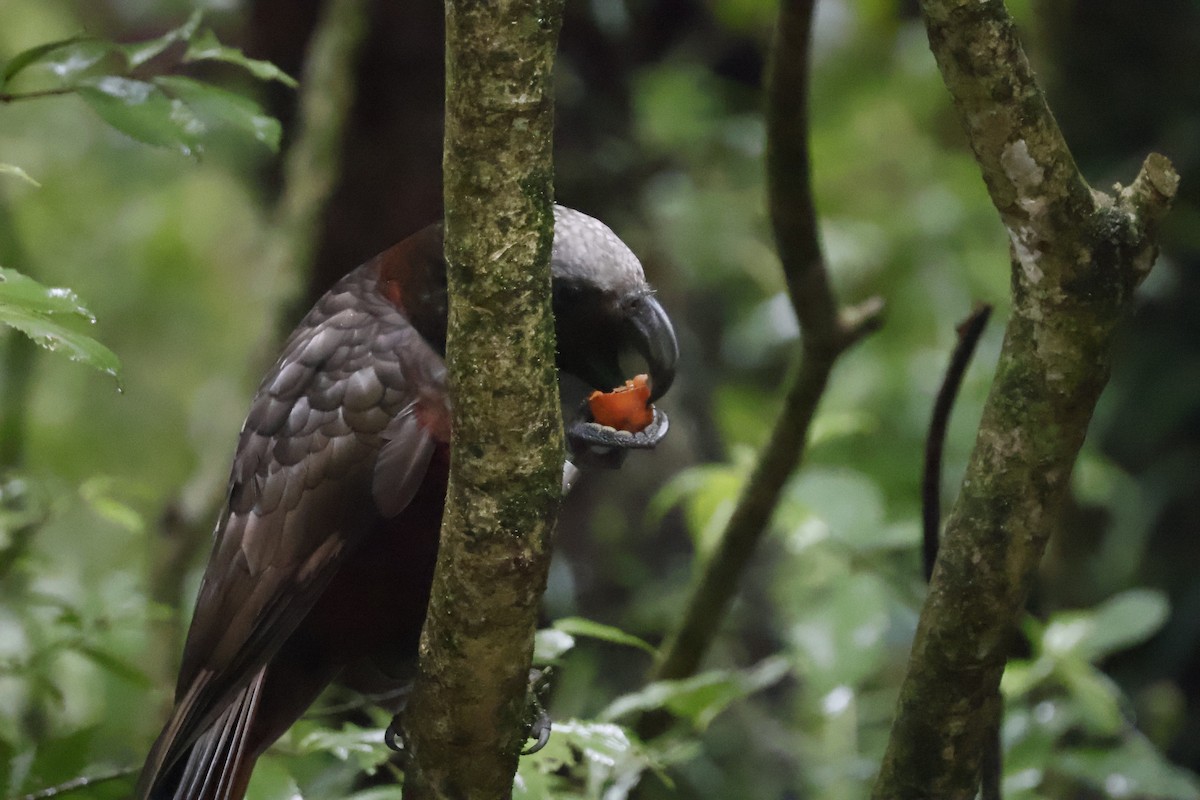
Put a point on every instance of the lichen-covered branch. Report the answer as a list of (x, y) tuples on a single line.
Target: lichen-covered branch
[(1077, 256), (464, 721), (825, 334)]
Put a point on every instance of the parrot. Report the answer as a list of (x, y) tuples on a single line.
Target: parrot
[(323, 554)]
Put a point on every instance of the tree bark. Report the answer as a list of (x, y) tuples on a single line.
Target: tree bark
[(1077, 256), (466, 715)]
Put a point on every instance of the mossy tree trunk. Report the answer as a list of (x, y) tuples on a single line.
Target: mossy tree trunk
[(465, 718), (1077, 256)]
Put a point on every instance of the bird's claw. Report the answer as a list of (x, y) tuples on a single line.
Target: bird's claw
[(393, 736), (539, 728), (594, 445), (539, 719)]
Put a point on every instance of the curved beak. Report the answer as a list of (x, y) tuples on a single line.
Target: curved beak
[(648, 329)]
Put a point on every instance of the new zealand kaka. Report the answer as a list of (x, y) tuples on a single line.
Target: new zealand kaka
[(323, 556)]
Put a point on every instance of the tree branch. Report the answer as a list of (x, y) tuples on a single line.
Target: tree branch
[(825, 334), (465, 718), (83, 782), (969, 331), (1077, 257)]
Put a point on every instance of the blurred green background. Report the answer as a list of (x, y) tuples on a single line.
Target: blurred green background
[(106, 510)]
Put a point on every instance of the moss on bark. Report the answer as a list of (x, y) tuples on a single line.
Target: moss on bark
[(1077, 256), (465, 719)]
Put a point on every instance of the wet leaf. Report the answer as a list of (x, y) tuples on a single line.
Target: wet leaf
[(60, 339), (217, 107), (141, 111), (583, 760), (205, 47), (73, 52), (18, 289), (68, 62)]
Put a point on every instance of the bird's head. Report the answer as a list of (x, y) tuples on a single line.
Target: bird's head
[(603, 308)]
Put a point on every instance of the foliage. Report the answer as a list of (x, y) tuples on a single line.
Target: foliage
[(165, 110), (797, 698), (35, 310), (74, 610)]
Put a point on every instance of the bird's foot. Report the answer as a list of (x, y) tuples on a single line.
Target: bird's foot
[(536, 715), (596, 445), (393, 735)]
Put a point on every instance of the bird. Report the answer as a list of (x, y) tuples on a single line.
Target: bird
[(323, 554)]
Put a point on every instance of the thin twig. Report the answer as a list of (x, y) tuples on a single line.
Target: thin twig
[(82, 782), (969, 331), (825, 335)]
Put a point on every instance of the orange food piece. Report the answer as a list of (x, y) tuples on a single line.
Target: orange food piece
[(626, 408)]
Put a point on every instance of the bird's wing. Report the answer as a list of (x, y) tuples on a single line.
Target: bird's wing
[(338, 435)]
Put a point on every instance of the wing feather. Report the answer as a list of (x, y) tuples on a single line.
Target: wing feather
[(309, 478)]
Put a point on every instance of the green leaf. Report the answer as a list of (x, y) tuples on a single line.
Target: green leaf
[(549, 645), (701, 698), (583, 760), (34, 55), (708, 494), (65, 61), (272, 781), (18, 289), (1094, 696), (841, 639), (17, 172), (395, 792), (217, 107), (141, 111), (1116, 624), (364, 745), (205, 47), (139, 53), (1135, 769), (53, 336), (578, 626), (101, 495), (1123, 621), (116, 666)]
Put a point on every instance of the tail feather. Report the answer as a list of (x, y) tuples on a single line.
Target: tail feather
[(219, 764)]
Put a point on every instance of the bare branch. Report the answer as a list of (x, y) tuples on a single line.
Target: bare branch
[(825, 335), (969, 331), (82, 782)]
